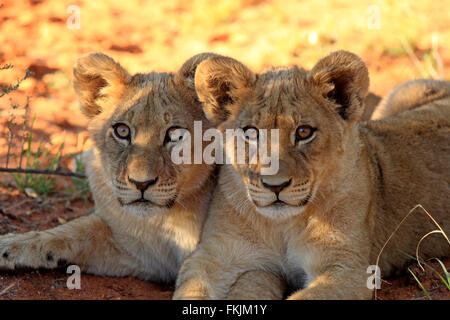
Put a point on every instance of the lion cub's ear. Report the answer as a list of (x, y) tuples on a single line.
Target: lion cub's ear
[(186, 74), (221, 83), (98, 81), (343, 78)]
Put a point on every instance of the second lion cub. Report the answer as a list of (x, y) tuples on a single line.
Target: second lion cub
[(341, 189)]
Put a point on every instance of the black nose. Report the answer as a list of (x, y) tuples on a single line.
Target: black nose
[(143, 185), (277, 188)]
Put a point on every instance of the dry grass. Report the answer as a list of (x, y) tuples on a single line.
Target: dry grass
[(417, 257)]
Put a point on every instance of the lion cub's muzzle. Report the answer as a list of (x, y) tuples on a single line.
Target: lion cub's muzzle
[(147, 192), (143, 185), (279, 192)]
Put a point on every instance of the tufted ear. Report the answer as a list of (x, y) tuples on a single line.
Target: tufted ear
[(98, 80), (343, 78), (221, 83), (186, 75)]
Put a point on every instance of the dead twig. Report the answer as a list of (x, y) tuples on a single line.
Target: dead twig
[(10, 215), (7, 89), (18, 204), (44, 171), (8, 288)]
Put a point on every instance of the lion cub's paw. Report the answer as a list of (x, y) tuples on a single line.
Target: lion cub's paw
[(26, 250), (191, 290)]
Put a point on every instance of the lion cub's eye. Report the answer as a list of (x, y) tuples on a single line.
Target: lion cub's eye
[(304, 133), (122, 131), (175, 134), (251, 133)]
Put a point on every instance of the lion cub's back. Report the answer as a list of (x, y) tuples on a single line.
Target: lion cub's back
[(412, 155), (413, 149)]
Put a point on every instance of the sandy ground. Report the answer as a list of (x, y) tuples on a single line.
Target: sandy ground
[(159, 35)]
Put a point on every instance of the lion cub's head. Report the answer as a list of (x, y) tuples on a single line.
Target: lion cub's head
[(134, 122), (313, 112)]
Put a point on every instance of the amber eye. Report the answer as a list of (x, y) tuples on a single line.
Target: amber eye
[(251, 133), (304, 133), (122, 131), (175, 134)]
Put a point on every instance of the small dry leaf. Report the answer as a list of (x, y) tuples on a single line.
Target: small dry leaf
[(61, 220), (31, 193)]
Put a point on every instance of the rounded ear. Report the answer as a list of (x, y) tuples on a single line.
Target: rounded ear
[(186, 75), (343, 78), (98, 80), (221, 84)]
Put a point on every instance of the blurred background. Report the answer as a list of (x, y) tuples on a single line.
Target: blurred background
[(399, 40)]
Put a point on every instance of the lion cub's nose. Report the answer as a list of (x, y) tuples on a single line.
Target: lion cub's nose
[(143, 185), (275, 185)]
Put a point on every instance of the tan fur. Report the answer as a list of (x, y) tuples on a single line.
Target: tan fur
[(148, 240), (410, 95), (350, 186), (371, 104)]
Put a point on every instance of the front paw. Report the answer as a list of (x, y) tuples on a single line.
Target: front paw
[(184, 297), (191, 290), (26, 250)]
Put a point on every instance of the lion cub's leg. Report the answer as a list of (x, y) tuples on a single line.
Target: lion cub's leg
[(208, 275), (201, 277), (335, 284), (201, 280), (258, 285), (85, 241)]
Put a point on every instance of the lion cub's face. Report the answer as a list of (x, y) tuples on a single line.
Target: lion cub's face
[(310, 111), (135, 122)]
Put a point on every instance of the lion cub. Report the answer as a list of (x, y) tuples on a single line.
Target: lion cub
[(149, 212), (341, 189)]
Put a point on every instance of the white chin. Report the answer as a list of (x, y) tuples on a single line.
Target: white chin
[(280, 212), (144, 210)]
